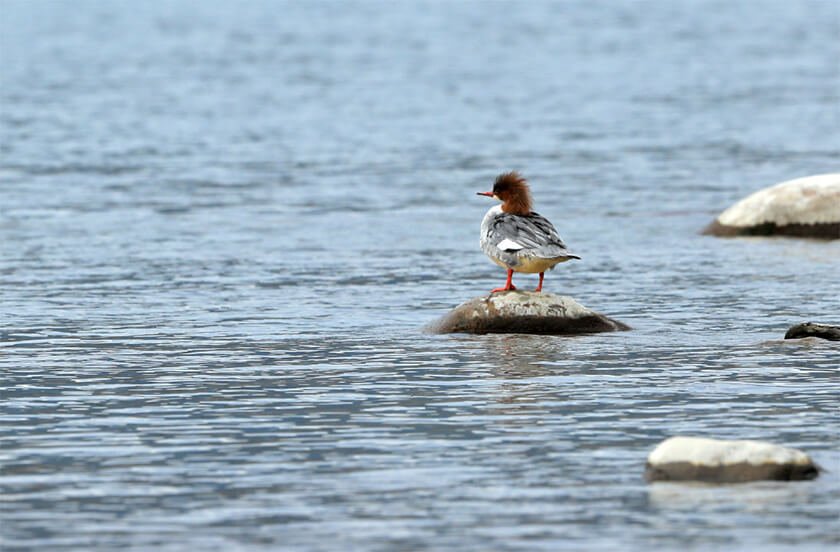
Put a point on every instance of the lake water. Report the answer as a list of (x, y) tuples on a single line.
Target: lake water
[(224, 225)]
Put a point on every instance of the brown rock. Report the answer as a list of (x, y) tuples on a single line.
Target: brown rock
[(525, 312)]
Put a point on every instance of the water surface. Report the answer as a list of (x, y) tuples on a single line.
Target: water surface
[(224, 226)]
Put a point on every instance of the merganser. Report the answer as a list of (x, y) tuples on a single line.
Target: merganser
[(516, 238)]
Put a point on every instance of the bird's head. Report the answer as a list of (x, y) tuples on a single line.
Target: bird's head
[(512, 190)]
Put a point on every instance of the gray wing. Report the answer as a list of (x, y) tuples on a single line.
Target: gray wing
[(533, 232)]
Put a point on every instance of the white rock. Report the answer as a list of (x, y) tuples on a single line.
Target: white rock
[(808, 206), (697, 458), (713, 452)]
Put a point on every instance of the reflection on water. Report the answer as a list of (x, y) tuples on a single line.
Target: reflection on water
[(523, 356), (756, 497)]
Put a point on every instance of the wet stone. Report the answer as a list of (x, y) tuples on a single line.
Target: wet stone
[(810, 329), (525, 312)]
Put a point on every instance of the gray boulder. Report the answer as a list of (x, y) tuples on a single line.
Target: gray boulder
[(524, 312), (804, 207), (723, 461), (809, 329)]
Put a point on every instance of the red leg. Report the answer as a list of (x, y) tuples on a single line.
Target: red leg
[(508, 285), (539, 287)]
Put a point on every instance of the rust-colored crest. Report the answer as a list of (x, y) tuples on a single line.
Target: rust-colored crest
[(512, 189)]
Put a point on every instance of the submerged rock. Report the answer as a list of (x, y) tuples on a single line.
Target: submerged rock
[(809, 329), (722, 461), (805, 207), (525, 312)]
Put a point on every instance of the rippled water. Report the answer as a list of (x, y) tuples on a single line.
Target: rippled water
[(224, 226)]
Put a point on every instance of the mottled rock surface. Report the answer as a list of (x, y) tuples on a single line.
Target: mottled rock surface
[(809, 329), (805, 207), (525, 312), (722, 461)]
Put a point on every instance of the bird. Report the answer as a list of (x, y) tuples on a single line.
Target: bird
[(515, 237)]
